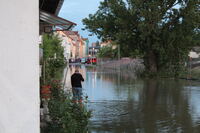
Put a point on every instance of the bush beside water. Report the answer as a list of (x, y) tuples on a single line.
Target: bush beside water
[(65, 115)]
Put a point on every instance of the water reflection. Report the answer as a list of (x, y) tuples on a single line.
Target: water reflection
[(123, 104)]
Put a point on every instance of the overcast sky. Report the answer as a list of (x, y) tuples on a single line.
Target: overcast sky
[(76, 10)]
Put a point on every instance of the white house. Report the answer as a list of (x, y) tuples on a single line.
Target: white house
[(66, 44), (193, 54)]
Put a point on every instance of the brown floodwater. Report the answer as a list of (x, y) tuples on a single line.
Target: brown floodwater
[(121, 103)]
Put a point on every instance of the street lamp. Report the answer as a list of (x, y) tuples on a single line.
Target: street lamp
[(93, 51), (93, 55)]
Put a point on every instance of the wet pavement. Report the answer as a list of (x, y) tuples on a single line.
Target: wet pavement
[(124, 104)]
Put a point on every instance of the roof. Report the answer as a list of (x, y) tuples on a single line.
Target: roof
[(74, 35), (71, 32), (84, 39), (53, 20), (51, 6)]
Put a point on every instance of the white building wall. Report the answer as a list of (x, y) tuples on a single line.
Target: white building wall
[(193, 54), (68, 52), (19, 69), (66, 46), (84, 49)]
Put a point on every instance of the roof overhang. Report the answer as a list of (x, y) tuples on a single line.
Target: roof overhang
[(52, 20), (51, 6), (59, 6)]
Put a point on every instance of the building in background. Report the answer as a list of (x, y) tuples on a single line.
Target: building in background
[(81, 48), (66, 43), (93, 50), (86, 47), (77, 47), (72, 37), (106, 43)]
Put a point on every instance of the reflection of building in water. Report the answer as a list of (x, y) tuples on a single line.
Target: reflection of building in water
[(92, 77), (68, 78)]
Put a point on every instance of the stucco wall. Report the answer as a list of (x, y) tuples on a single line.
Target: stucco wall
[(65, 44), (19, 66)]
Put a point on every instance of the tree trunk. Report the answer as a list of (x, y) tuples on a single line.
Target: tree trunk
[(151, 62)]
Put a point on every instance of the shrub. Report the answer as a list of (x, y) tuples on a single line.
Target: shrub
[(66, 116)]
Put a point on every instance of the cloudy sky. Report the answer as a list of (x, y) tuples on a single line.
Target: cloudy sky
[(76, 10)]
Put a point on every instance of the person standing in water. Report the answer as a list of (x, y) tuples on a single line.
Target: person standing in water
[(76, 80)]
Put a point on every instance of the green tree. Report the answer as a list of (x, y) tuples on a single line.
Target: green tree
[(107, 52), (160, 30), (52, 46), (53, 56)]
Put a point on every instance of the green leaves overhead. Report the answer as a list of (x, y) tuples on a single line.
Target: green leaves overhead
[(166, 28)]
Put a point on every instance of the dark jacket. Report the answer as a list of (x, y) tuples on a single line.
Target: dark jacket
[(76, 79)]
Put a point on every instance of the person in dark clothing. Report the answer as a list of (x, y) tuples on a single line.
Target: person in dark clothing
[(76, 80)]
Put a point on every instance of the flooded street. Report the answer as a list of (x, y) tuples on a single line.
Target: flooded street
[(123, 104)]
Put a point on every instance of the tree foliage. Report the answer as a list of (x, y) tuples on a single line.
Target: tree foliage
[(53, 56), (107, 52), (162, 31), (52, 46)]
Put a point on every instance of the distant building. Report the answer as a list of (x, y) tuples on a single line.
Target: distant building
[(66, 43), (86, 47), (94, 44), (93, 50), (195, 52), (75, 45), (108, 43)]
